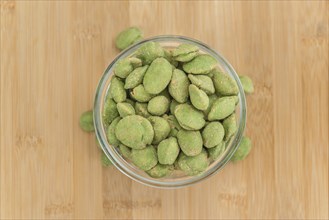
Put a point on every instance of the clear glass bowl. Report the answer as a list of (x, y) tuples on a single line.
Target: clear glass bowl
[(178, 179)]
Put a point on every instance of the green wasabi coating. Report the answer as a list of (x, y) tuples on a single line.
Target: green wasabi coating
[(172, 106), (110, 133), (144, 159), (190, 142), (149, 52), (188, 117), (193, 165), (135, 77), (221, 108), (158, 105), (174, 125), (105, 160), (134, 131), (230, 126), (87, 121), (247, 84), (216, 151), (243, 150), (125, 151), (157, 76), (160, 171), (202, 64), (128, 37), (212, 99), (185, 52), (140, 95), (110, 111), (141, 109), (224, 84), (161, 128), (117, 90), (125, 66), (213, 134), (198, 97), (203, 82), (178, 87), (168, 151), (168, 56), (125, 109)]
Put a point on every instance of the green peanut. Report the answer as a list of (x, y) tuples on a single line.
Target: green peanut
[(212, 99), (134, 131), (144, 159), (193, 165), (213, 134), (168, 151), (169, 57), (247, 84), (112, 139), (149, 52), (125, 109), (160, 171), (161, 128), (188, 117), (190, 142), (125, 66), (174, 125), (185, 52), (202, 64), (117, 90), (216, 151), (230, 126), (178, 86), (125, 151), (141, 109), (139, 94), (224, 84), (110, 111), (135, 77), (172, 106), (203, 82), (157, 76), (221, 108), (158, 105), (86, 121), (128, 37), (243, 150), (198, 97)]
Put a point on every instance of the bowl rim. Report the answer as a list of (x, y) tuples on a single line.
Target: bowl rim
[(111, 153)]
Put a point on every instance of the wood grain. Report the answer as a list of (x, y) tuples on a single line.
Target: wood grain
[(54, 52)]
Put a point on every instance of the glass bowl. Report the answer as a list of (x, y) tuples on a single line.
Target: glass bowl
[(178, 179)]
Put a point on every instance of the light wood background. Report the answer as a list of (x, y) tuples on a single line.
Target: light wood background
[(54, 53)]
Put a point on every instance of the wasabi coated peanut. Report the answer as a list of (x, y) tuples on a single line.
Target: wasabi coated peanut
[(110, 133), (216, 151), (198, 97), (224, 84), (86, 121), (160, 171), (117, 91), (105, 160), (190, 142), (230, 126), (212, 99), (247, 84), (125, 109), (168, 151), (213, 134), (172, 106), (158, 105), (135, 77), (144, 159), (195, 164), (185, 52), (110, 111), (134, 131), (169, 57), (128, 37), (149, 52), (243, 150), (140, 95), (125, 151), (161, 128), (157, 76), (141, 109), (221, 108), (178, 87), (188, 117), (174, 125), (203, 82), (125, 66), (202, 64)]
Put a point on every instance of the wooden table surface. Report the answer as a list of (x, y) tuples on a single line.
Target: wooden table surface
[(54, 53)]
